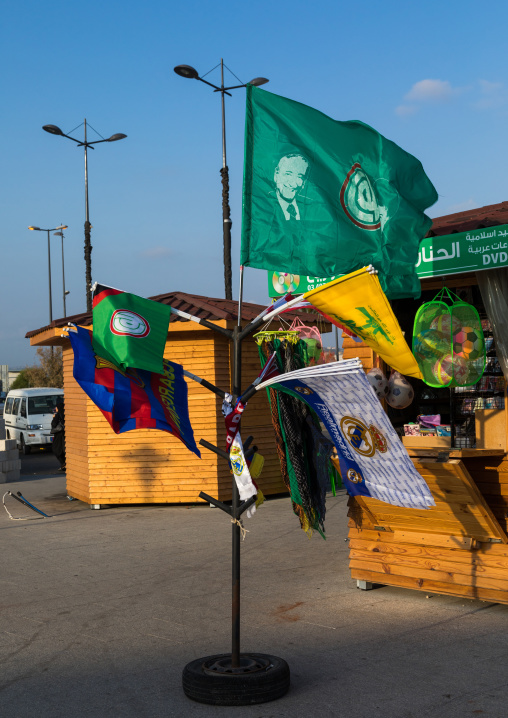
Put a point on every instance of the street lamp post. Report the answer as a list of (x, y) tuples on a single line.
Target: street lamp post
[(54, 130), (235, 663), (39, 229), (190, 73), (64, 293)]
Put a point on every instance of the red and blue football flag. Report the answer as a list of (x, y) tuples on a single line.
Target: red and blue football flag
[(133, 398)]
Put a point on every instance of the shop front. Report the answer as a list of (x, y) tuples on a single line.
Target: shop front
[(460, 546)]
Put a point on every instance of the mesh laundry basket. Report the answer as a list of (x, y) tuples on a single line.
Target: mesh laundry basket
[(448, 341)]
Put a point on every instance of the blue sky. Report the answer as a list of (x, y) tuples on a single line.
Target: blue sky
[(432, 77)]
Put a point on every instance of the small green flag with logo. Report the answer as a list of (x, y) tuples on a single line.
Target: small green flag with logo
[(128, 330), (323, 198)]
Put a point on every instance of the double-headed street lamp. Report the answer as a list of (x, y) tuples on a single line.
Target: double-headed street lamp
[(64, 293), (192, 74), (54, 130), (39, 229)]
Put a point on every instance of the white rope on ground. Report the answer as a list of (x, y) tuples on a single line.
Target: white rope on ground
[(14, 518)]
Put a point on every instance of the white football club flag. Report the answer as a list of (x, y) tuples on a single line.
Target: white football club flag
[(241, 472), (373, 460)]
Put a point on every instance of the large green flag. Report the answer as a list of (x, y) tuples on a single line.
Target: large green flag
[(323, 198), (128, 330)]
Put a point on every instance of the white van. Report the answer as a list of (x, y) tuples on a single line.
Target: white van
[(28, 414)]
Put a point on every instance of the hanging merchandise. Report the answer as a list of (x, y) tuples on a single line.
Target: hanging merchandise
[(280, 334), (303, 451), (244, 470), (448, 341), (378, 382), (400, 392), (311, 338), (373, 460), (244, 484), (256, 465)]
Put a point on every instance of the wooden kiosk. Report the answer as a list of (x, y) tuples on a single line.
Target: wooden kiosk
[(150, 466), (460, 546)]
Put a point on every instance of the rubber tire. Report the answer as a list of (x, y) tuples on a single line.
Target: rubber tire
[(236, 690), (23, 448)]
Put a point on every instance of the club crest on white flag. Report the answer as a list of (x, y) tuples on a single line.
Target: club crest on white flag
[(373, 460), (241, 472)]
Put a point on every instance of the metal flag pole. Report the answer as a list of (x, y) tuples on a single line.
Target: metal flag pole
[(236, 678), (237, 379), (240, 296), (226, 210)]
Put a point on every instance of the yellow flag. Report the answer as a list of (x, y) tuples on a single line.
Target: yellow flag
[(358, 302)]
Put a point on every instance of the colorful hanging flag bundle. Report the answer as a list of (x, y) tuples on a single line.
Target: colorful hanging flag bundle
[(133, 398), (358, 302), (304, 458), (324, 198), (373, 460)]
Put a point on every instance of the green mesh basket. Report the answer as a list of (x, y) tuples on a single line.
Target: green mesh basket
[(448, 341)]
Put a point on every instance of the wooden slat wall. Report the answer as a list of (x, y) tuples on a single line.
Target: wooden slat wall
[(76, 432), (377, 557), (428, 551), (150, 466), (352, 349), (458, 508)]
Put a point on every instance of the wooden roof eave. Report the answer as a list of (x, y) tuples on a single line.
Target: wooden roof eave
[(57, 336), (52, 337)]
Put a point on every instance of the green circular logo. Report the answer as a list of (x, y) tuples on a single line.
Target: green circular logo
[(358, 199)]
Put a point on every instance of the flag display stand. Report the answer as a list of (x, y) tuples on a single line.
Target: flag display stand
[(235, 678)]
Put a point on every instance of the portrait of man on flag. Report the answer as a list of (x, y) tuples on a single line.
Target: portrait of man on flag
[(322, 197), (289, 178)]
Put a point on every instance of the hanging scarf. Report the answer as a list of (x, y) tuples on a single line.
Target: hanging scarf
[(232, 417), (295, 445)]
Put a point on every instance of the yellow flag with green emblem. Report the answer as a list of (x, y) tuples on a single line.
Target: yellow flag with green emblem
[(358, 302)]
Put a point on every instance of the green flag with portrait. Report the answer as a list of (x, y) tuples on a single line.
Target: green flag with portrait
[(323, 198)]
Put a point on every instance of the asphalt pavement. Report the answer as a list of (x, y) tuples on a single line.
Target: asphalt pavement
[(40, 463), (101, 610)]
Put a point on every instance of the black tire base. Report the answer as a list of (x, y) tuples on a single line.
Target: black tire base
[(228, 689)]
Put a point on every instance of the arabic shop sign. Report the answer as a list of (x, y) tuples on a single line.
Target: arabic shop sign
[(463, 252), (438, 256)]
